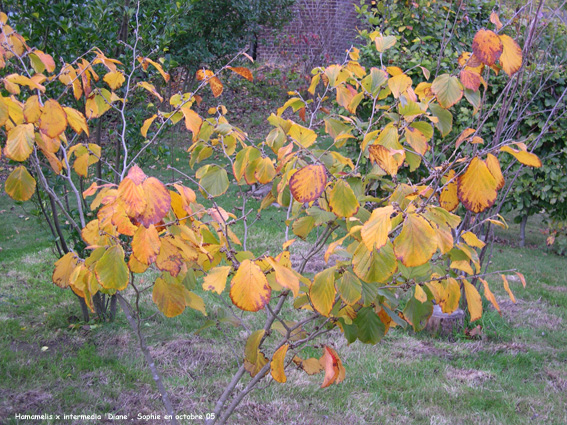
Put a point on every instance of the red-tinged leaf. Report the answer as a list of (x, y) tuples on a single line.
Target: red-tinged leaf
[(307, 184), (471, 80), (333, 367), (132, 195), (487, 46), (158, 202)]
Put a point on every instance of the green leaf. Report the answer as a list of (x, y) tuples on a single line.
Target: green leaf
[(322, 292), (111, 270), (20, 185), (376, 265), (370, 328), (417, 313), (349, 287), (448, 90), (342, 200), (445, 123), (214, 180)]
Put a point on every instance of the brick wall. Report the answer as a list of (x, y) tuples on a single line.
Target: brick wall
[(320, 32)]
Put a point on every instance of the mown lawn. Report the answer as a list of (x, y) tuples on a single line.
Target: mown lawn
[(52, 363)]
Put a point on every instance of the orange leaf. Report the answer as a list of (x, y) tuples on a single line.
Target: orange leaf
[(470, 79), (487, 46), (146, 244), (158, 202), (496, 20), (243, 72), (333, 367), (387, 159), (307, 184), (448, 198)]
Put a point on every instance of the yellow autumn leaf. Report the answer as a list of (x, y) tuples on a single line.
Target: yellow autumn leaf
[(114, 79), (511, 58), (474, 302), (507, 288), (399, 84), (489, 295), (53, 119), (375, 231), (416, 243), (249, 289), (477, 187), (76, 120), (215, 280), (64, 267), (522, 155), (277, 364), (322, 292), (19, 143), (169, 297)]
